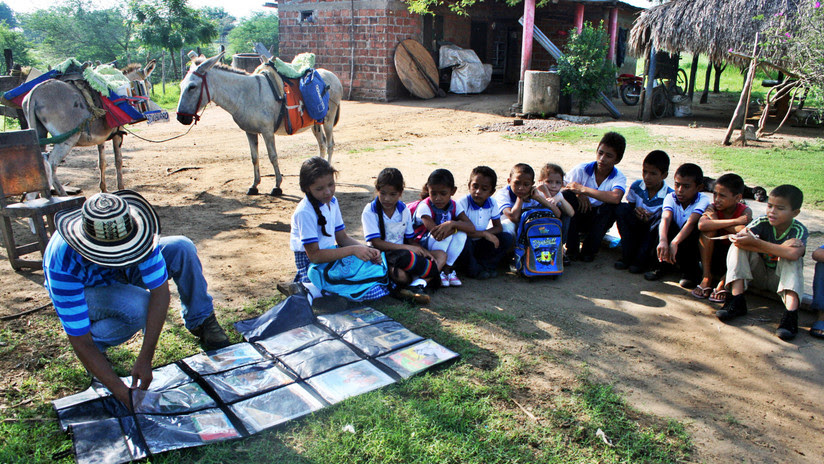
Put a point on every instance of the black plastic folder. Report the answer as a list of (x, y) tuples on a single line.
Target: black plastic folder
[(246, 388)]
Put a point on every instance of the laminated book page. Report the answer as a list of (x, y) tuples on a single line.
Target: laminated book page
[(351, 319), (247, 380), (294, 340), (383, 337), (351, 380), (416, 358), (224, 359), (275, 407)]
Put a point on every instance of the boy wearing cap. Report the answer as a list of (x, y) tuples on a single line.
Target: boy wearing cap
[(107, 274)]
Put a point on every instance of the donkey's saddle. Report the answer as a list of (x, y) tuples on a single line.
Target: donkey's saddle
[(293, 115)]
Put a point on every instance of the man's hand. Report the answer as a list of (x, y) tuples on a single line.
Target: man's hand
[(663, 251), (492, 238), (142, 373), (583, 203)]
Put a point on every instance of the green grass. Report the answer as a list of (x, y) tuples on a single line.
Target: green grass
[(167, 101), (590, 135), (459, 413)]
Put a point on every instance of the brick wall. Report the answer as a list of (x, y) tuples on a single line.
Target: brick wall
[(378, 26)]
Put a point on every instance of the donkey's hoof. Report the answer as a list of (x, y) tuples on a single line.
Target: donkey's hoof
[(276, 192), (252, 191)]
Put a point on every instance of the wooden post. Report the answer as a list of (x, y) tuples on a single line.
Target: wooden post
[(693, 73), (579, 17), (705, 94), (163, 70), (613, 33), (745, 98), (646, 115)]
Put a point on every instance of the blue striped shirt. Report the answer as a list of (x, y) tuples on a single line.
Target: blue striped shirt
[(638, 196), (68, 274)]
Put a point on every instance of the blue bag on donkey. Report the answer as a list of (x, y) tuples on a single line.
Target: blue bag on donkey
[(539, 247), (315, 94), (349, 277)]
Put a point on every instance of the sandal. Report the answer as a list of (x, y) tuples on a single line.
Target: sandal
[(701, 292), (817, 329), (719, 296)]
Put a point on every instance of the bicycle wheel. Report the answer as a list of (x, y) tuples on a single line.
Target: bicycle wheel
[(680, 83), (630, 94), (660, 102)]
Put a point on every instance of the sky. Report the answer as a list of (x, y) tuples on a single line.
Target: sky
[(237, 8)]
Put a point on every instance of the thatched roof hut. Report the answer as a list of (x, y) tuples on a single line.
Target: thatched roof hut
[(709, 27)]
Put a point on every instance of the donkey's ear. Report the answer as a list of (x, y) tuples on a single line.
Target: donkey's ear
[(150, 67), (206, 65)]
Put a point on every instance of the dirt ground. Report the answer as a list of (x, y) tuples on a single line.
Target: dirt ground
[(745, 395)]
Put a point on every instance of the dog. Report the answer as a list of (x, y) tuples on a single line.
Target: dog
[(750, 193)]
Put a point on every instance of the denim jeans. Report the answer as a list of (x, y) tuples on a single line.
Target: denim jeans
[(637, 237), (818, 287), (119, 310)]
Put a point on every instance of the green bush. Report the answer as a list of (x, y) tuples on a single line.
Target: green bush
[(584, 69)]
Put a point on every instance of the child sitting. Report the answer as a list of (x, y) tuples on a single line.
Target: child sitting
[(678, 231), (639, 217), (318, 234), (487, 243), (817, 329), (550, 183), (600, 187), (725, 215), (519, 195), (442, 218), (767, 254)]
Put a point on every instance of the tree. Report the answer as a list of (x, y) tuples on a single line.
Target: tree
[(585, 70), (260, 27), (15, 41), (171, 25), (74, 29), (7, 15), (225, 22)]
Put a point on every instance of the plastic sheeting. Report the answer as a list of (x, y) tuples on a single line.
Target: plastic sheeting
[(469, 75), (249, 387)]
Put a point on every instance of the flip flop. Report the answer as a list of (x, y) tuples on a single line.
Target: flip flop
[(817, 329), (701, 292), (719, 296)]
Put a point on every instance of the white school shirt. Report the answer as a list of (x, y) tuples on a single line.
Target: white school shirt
[(505, 198), (639, 197), (480, 215), (305, 228), (423, 209), (396, 228), (681, 214), (584, 174)]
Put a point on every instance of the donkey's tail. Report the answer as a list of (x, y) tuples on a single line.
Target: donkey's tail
[(337, 116)]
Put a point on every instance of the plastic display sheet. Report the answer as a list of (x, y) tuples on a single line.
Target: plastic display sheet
[(165, 433), (246, 388), (352, 319), (295, 339), (248, 380), (224, 359), (352, 380), (275, 407), (319, 358), (416, 358), (378, 339)]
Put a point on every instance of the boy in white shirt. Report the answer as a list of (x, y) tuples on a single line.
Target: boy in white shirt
[(487, 243)]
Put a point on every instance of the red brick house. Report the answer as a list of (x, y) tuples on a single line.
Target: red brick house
[(360, 47)]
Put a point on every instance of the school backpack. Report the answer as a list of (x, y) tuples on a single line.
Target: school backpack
[(315, 95), (420, 229), (539, 247), (349, 277)]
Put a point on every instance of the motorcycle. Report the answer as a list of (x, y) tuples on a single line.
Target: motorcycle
[(630, 88)]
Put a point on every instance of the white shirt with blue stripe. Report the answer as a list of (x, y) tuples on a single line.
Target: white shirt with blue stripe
[(305, 228), (505, 198), (638, 196), (67, 274), (396, 228), (480, 215), (584, 174), (679, 213)]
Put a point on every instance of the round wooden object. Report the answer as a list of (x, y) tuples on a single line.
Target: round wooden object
[(411, 76)]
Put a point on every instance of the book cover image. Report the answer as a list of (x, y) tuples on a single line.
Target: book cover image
[(213, 426), (248, 380), (275, 407), (413, 359), (349, 380), (224, 359), (346, 320)]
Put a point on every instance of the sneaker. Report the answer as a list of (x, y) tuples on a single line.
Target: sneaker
[(211, 334), (291, 288), (687, 283), (654, 274), (444, 280), (788, 327), (413, 296), (453, 280), (735, 306), (620, 265)]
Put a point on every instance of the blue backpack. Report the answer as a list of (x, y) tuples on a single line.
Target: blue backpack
[(539, 247), (349, 277), (315, 94)]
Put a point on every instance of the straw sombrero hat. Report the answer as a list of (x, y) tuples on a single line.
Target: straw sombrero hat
[(111, 229)]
